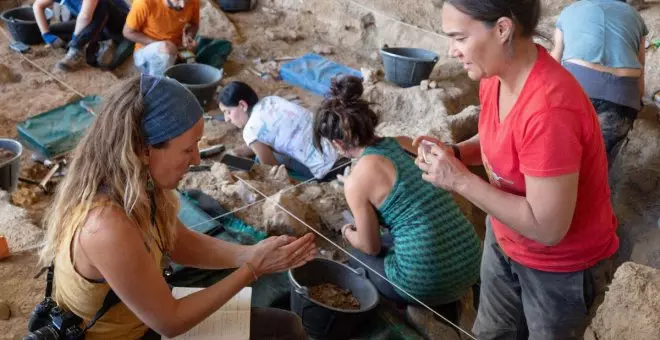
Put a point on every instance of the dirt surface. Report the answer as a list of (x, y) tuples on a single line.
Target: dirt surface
[(6, 155), (334, 296)]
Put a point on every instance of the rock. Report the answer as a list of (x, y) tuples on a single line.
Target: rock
[(288, 35), (214, 23), (310, 193), (280, 174), (323, 49), (430, 110), (424, 85), (25, 197), (433, 84), (16, 226), (374, 55), (371, 76), (631, 309), (8, 76), (216, 131), (5, 311), (280, 222), (651, 17)]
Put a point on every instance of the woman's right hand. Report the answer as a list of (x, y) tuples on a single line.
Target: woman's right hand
[(280, 253)]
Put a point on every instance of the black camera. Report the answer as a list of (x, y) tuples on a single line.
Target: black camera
[(49, 322)]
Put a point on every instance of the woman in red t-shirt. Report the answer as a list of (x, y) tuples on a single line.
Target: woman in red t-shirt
[(551, 228)]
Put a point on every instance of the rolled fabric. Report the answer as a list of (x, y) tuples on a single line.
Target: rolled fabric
[(170, 109)]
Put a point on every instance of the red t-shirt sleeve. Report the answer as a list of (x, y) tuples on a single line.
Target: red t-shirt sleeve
[(551, 144)]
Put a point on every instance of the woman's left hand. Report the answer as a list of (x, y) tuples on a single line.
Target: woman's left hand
[(442, 169)]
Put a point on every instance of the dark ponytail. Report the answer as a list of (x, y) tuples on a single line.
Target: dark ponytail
[(525, 13), (344, 116), (236, 91)]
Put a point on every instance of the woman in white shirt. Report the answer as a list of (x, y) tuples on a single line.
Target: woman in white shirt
[(278, 132)]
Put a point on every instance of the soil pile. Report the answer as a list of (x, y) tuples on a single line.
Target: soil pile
[(6, 155), (334, 296), (16, 226)]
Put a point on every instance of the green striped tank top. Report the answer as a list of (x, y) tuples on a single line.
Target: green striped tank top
[(436, 253)]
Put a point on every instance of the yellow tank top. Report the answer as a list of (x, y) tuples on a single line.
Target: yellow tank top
[(84, 297)]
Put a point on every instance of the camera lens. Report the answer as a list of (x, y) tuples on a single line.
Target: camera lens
[(44, 333)]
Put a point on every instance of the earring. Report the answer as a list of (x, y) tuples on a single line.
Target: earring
[(150, 182)]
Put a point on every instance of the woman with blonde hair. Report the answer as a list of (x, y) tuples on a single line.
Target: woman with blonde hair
[(114, 226)]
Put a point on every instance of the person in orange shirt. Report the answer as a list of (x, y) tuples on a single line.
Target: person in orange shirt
[(160, 28)]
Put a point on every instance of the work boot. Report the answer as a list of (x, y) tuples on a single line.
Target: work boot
[(72, 60)]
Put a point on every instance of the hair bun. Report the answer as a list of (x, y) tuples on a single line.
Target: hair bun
[(346, 88)]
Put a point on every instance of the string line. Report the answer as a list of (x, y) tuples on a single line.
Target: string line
[(265, 197), (69, 87), (362, 263)]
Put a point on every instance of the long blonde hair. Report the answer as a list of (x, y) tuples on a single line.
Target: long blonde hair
[(106, 161)]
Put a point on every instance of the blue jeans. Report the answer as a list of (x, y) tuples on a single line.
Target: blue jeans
[(107, 23), (615, 123), (517, 302)]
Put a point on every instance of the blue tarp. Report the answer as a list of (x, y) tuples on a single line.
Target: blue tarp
[(312, 72), (57, 131)]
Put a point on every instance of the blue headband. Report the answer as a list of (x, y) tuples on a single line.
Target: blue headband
[(170, 109)]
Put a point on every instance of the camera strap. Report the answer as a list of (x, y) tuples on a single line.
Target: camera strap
[(110, 300), (49, 279)]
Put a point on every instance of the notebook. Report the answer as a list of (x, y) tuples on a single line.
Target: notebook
[(231, 322)]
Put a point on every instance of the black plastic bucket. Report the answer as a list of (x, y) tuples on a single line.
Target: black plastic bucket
[(325, 322), (235, 5), (202, 80), (22, 26), (407, 67), (10, 168)]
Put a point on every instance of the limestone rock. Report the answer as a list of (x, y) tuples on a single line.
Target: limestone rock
[(631, 309), (16, 226), (424, 85), (216, 131), (433, 84), (278, 221), (371, 76), (279, 174), (214, 23), (651, 17), (323, 49), (430, 110), (311, 193), (5, 311), (287, 35)]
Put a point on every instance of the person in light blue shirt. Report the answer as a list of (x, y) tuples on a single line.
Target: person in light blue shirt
[(602, 43), (95, 20)]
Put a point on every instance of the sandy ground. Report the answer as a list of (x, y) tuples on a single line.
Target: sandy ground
[(26, 91)]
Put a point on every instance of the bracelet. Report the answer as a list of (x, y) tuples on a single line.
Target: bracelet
[(251, 268), (457, 151)]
